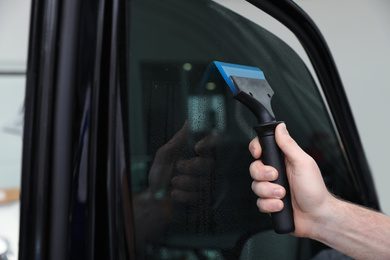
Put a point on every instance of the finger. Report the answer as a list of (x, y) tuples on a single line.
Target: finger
[(268, 190), (187, 197), (163, 165), (207, 145), (189, 183), (261, 172), (269, 205), (255, 148), (289, 147), (175, 145), (196, 166)]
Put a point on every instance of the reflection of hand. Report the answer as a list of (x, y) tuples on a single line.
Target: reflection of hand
[(173, 177), (188, 177), (192, 183), (153, 207), (164, 164)]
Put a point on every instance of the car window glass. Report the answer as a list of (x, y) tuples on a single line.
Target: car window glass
[(188, 143)]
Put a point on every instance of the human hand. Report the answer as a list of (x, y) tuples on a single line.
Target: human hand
[(309, 195)]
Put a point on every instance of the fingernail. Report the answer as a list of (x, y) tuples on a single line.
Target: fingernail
[(278, 206), (180, 165), (174, 181), (278, 193), (253, 150), (270, 175), (283, 128)]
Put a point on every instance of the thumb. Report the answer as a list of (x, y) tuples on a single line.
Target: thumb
[(175, 145), (289, 147), (161, 171)]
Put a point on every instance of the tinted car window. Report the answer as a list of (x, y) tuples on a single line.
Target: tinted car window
[(188, 143)]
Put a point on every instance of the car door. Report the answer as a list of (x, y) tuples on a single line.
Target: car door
[(126, 156)]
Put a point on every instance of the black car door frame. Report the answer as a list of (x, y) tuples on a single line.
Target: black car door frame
[(71, 77)]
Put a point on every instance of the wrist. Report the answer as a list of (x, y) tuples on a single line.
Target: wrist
[(327, 222), (323, 218)]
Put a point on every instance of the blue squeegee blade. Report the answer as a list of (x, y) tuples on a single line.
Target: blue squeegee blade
[(227, 70)]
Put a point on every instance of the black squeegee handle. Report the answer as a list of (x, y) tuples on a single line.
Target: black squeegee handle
[(283, 221)]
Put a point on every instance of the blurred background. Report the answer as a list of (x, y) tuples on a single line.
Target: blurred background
[(14, 27), (357, 32)]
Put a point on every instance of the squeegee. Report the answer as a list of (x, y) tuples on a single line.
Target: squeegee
[(249, 86)]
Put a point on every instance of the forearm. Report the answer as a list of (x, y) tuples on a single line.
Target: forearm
[(353, 230)]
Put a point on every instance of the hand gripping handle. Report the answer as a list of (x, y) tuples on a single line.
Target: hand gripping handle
[(283, 221)]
